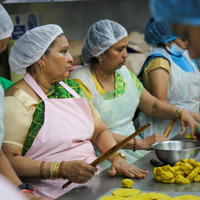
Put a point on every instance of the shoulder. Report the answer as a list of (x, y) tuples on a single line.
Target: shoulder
[(137, 82), (76, 87), (19, 99), (131, 78), (128, 73), (158, 62), (73, 84), (79, 71)]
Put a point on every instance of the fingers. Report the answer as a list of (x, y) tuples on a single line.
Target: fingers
[(153, 139), (196, 116), (112, 171), (126, 169), (182, 127), (135, 172), (189, 119), (79, 171), (192, 128), (159, 138)]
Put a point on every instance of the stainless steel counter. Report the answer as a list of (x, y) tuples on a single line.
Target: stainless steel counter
[(102, 183)]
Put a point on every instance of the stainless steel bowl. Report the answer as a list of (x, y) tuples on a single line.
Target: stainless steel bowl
[(170, 152)]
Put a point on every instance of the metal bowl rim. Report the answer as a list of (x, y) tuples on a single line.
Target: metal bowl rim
[(178, 141)]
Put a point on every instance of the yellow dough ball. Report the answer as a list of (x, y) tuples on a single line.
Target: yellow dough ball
[(127, 183)]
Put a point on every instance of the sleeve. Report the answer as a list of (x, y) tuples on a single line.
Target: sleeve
[(155, 63), (158, 63), (17, 121), (137, 83)]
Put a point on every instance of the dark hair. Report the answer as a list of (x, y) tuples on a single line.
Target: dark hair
[(94, 60), (161, 45)]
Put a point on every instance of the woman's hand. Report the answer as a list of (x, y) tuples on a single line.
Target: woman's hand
[(78, 171), (188, 119), (147, 142), (120, 166)]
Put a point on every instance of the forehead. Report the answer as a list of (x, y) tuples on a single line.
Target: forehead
[(60, 41), (122, 42), (4, 43)]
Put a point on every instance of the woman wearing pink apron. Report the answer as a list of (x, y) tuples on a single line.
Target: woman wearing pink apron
[(56, 143), (51, 131)]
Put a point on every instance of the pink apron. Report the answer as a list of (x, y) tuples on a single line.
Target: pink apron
[(65, 136)]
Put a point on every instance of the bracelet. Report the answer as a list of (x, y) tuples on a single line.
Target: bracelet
[(27, 191), (61, 170), (120, 155), (135, 144), (42, 170), (54, 170), (176, 113)]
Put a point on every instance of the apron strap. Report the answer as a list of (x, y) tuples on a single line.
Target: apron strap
[(69, 89), (32, 83)]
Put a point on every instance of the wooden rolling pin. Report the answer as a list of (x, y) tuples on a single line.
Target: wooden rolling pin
[(112, 150), (169, 128)]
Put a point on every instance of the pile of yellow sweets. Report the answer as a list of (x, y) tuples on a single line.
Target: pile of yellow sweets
[(128, 193), (183, 172)]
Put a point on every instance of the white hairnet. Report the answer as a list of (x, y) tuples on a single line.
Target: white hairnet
[(100, 37), (30, 47), (6, 25)]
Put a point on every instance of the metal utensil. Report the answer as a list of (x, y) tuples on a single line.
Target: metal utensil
[(112, 150), (170, 152), (169, 128), (156, 163)]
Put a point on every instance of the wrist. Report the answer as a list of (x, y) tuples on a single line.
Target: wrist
[(177, 113), (134, 144), (61, 170), (26, 188), (118, 155), (27, 191), (55, 170), (45, 170)]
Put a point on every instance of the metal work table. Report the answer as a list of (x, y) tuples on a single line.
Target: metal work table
[(102, 183)]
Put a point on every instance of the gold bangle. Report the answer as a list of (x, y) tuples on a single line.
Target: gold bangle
[(120, 155), (176, 113), (54, 170)]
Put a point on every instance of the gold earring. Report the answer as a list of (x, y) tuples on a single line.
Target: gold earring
[(41, 68), (100, 62)]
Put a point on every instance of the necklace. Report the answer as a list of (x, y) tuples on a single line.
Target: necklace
[(98, 78)]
